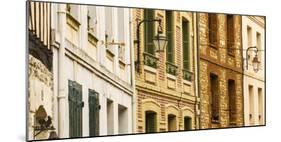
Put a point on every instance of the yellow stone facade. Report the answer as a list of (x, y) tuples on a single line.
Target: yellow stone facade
[(160, 92)]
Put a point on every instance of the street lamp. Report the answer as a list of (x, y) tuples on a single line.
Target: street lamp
[(159, 41), (255, 61)]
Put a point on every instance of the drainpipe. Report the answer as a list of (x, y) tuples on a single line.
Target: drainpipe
[(132, 63), (61, 74), (198, 68)]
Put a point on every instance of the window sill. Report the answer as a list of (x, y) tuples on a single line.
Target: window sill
[(92, 39), (71, 21)]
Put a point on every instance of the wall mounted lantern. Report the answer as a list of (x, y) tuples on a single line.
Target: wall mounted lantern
[(159, 41), (255, 61)]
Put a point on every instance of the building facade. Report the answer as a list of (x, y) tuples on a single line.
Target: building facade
[(90, 87), (165, 81), (40, 97), (254, 82), (221, 79)]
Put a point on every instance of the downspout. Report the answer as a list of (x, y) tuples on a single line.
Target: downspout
[(132, 63), (243, 65), (61, 70), (198, 68), (194, 65)]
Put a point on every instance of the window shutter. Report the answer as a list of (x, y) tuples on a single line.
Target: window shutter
[(93, 113), (212, 28), (75, 109), (185, 40), (169, 33), (230, 33), (149, 31)]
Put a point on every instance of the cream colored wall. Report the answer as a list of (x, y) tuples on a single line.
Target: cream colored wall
[(250, 77), (90, 71)]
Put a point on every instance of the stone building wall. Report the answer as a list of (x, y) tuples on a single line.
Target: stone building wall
[(216, 60), (155, 88), (40, 92)]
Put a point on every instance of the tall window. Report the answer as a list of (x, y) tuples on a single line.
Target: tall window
[(230, 34), (185, 44), (212, 25), (92, 20), (251, 104), (187, 123), (259, 44), (122, 119), (109, 23), (93, 113), (75, 109), (214, 98), (172, 122), (249, 36), (121, 33), (232, 101), (110, 117), (149, 31), (169, 34), (260, 106), (150, 122)]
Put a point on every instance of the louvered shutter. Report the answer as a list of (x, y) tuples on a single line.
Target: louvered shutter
[(169, 34), (75, 109), (93, 113), (149, 31), (185, 40)]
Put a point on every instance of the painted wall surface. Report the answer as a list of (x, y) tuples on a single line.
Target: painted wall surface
[(84, 62), (254, 79)]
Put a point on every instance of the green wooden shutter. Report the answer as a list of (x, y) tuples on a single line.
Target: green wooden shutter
[(212, 28), (149, 31), (185, 44), (75, 109), (169, 34), (93, 113)]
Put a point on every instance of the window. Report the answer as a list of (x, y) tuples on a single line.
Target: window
[(169, 34), (110, 117), (187, 123), (172, 122), (122, 119), (251, 104), (260, 106), (75, 109), (214, 98), (230, 34), (249, 36), (212, 25), (259, 45), (149, 31), (232, 101), (93, 113), (150, 122), (121, 33), (92, 20), (185, 44), (73, 10), (109, 23)]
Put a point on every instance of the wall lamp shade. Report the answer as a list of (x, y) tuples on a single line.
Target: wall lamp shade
[(160, 42), (256, 63)]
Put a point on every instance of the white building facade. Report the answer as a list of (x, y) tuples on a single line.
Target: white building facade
[(253, 34), (92, 65)]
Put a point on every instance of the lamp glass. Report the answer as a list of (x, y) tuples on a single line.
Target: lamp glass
[(160, 42), (256, 64)]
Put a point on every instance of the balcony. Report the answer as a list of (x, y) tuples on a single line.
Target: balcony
[(187, 75), (150, 60), (171, 68)]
